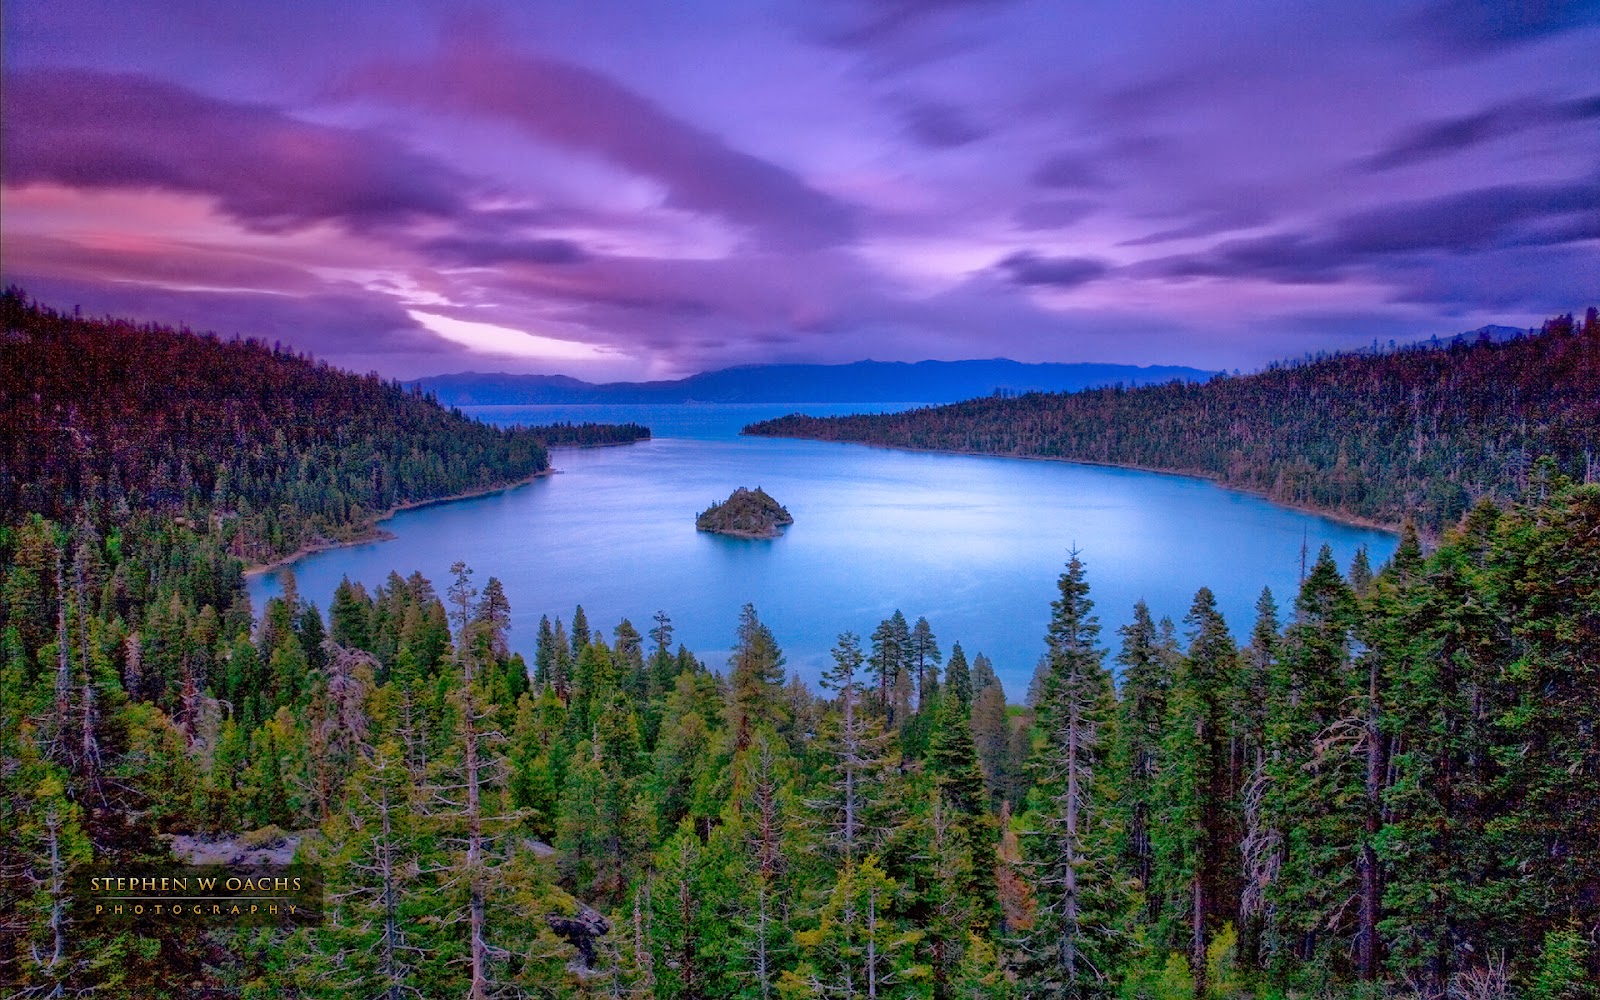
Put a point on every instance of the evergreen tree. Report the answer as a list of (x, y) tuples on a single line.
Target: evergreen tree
[(991, 734), (756, 675), (890, 642), (1198, 838), (958, 677), (856, 949), (1146, 682), (923, 656), (1261, 843), (1071, 952), (855, 747), (1314, 775)]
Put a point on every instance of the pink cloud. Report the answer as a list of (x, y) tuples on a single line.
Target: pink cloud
[(582, 110)]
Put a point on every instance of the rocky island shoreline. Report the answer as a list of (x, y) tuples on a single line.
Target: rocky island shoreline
[(745, 514)]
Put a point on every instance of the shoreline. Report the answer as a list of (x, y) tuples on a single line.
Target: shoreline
[(1348, 520), (371, 532), (750, 536)]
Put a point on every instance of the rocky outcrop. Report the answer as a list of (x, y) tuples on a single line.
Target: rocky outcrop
[(745, 514), (580, 929)]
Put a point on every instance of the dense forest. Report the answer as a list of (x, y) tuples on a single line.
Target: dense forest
[(259, 447), (1386, 785), (589, 435), (1420, 432)]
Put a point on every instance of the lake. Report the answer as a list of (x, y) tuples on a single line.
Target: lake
[(975, 544)]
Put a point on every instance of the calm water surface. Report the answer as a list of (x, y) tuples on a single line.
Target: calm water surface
[(975, 544)]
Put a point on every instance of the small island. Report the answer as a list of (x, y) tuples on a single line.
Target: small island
[(745, 514)]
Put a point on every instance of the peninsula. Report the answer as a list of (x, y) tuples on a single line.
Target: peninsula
[(745, 514)]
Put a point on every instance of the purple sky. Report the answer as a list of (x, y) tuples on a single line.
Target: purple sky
[(630, 190)]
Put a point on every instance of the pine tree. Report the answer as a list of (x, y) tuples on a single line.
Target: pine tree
[(1071, 951), (350, 617), (991, 734), (761, 816), (756, 675), (888, 664), (1198, 832), (856, 950), (375, 890), (924, 657), (1314, 774), (958, 677), (493, 618), (1146, 682), (691, 896), (855, 746), (1261, 843)]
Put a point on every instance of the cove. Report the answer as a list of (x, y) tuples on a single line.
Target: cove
[(973, 543)]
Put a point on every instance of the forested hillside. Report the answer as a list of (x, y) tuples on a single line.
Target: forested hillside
[(259, 447), (1386, 785), (589, 435), (1390, 779), (1420, 432)]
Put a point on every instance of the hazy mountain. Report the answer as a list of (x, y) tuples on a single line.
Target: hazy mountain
[(860, 382)]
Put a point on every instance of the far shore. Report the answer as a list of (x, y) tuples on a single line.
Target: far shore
[(1351, 520), (372, 533)]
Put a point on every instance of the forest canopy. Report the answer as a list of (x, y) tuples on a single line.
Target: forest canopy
[(1418, 432), (1385, 785)]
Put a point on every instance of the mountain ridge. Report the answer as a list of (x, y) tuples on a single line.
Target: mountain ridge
[(855, 382)]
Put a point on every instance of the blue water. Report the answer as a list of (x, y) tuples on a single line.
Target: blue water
[(975, 544)]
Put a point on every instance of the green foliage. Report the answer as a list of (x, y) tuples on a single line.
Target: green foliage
[(1419, 429), (746, 513), (266, 449), (1390, 791), (1560, 973)]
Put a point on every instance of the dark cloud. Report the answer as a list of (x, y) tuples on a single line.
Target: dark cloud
[(1068, 170), (331, 322), (1208, 223), (1056, 214), (1463, 221), (1472, 27), (1028, 268), (264, 168), (159, 263), (1441, 138), (1455, 224), (867, 23), (1533, 280), (489, 252), (578, 108), (940, 126)]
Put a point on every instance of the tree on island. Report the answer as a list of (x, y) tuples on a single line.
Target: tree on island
[(745, 514)]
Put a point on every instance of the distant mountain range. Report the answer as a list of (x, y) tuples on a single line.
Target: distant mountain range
[(860, 382)]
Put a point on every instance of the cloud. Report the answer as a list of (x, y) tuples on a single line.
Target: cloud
[(1473, 27), (490, 252), (510, 342), (940, 126), (264, 168), (1208, 222), (579, 109), (1057, 214), (1068, 170), (1515, 247), (1459, 223), (1028, 268), (335, 323), (872, 23), (1435, 139)]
